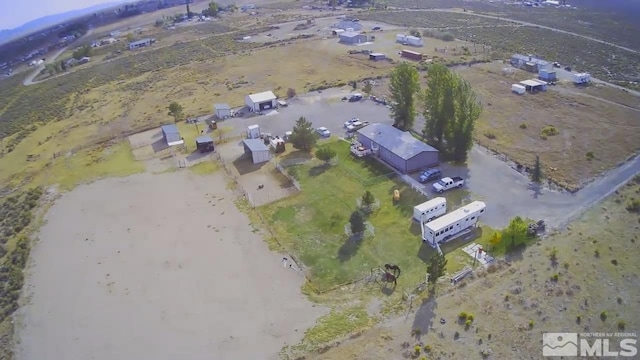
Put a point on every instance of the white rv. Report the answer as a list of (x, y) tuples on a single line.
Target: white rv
[(453, 223), (430, 210)]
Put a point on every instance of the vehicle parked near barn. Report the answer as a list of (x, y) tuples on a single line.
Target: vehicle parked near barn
[(448, 183)]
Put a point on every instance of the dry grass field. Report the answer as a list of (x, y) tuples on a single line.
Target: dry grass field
[(513, 125), (590, 286)]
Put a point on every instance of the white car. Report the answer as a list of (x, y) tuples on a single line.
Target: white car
[(354, 126), (349, 122), (323, 131)]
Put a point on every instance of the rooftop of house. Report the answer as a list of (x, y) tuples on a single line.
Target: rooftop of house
[(401, 143), (530, 59)]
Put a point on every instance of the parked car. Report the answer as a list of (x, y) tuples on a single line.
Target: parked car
[(355, 97), (351, 121), (430, 175), (448, 183), (377, 28), (323, 131), (556, 65), (353, 126)]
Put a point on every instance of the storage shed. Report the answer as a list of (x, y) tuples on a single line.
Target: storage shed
[(257, 149), (534, 85), (222, 111), (172, 135), (377, 56), (408, 54), (547, 75), (397, 148), (352, 38), (204, 144), (261, 101), (530, 63), (253, 131)]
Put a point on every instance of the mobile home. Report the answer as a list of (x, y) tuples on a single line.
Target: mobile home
[(453, 223), (430, 210)]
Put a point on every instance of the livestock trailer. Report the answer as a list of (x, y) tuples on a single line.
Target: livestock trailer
[(430, 210)]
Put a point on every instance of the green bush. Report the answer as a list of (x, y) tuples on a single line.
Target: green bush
[(633, 205), (523, 126), (590, 156), (603, 316), (549, 130), (463, 316), (489, 135)]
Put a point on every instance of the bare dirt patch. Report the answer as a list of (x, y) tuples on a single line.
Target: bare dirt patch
[(164, 259), (263, 183)]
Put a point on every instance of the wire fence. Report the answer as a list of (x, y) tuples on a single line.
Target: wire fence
[(237, 188)]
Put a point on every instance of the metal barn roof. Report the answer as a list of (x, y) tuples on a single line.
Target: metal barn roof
[(255, 145), (222, 106), (172, 135), (262, 97), (456, 215), (533, 83), (143, 41), (376, 54), (397, 141)]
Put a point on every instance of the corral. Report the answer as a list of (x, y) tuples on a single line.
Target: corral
[(176, 263)]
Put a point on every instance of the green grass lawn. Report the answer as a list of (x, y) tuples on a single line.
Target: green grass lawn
[(311, 224)]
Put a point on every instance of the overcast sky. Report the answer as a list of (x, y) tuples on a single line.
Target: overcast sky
[(14, 13)]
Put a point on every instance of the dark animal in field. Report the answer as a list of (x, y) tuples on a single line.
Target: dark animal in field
[(394, 268), (390, 278)]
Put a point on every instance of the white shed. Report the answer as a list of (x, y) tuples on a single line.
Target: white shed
[(518, 89), (414, 40), (257, 149), (253, 131), (222, 111), (261, 101)]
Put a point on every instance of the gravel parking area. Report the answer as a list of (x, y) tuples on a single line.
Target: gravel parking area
[(321, 108)]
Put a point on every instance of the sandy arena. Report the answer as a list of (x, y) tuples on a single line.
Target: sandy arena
[(157, 267)]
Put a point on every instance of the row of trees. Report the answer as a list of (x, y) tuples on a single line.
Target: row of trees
[(449, 105)]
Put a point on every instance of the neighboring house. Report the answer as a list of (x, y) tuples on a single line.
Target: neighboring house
[(261, 101), (140, 43), (398, 148), (352, 38), (530, 63)]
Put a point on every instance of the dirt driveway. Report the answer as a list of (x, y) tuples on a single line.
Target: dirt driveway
[(157, 267)]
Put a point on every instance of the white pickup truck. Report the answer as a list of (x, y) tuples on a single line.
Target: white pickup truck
[(448, 183)]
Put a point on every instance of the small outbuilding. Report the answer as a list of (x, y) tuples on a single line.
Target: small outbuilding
[(204, 144), (172, 135), (534, 85), (261, 101), (547, 75), (377, 56), (140, 43), (253, 131), (352, 38), (222, 111), (257, 149), (337, 32)]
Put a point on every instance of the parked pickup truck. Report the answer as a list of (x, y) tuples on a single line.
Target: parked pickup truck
[(448, 183)]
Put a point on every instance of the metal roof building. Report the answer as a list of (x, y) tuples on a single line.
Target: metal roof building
[(171, 135), (350, 37), (259, 151), (530, 63), (398, 148), (222, 111), (261, 101)]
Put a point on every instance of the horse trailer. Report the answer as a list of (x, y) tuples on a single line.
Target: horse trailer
[(430, 210), (453, 223)]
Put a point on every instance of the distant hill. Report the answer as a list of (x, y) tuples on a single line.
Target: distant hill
[(628, 9), (51, 20)]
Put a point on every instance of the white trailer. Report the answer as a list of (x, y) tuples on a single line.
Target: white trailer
[(453, 223), (518, 89), (427, 211), (581, 78), (401, 38), (414, 40)]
